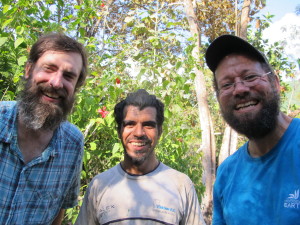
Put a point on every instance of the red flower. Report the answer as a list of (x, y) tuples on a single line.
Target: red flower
[(103, 112), (118, 81), (102, 5)]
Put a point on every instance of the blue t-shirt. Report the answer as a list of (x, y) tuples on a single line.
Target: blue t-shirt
[(264, 190), (33, 193)]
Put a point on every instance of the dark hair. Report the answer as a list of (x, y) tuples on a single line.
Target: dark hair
[(142, 99), (62, 43)]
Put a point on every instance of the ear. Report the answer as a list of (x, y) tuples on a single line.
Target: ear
[(277, 83), (159, 132), (120, 131), (27, 70)]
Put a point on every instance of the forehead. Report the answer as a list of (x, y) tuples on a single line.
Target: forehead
[(71, 61), (237, 63), (134, 113)]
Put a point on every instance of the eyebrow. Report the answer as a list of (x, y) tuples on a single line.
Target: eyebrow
[(145, 123), (65, 71)]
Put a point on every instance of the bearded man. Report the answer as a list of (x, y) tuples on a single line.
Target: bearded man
[(41, 153), (260, 182), (140, 190)]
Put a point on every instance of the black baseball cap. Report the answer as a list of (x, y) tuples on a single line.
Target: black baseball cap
[(227, 44)]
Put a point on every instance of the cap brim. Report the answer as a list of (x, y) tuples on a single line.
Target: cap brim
[(228, 44)]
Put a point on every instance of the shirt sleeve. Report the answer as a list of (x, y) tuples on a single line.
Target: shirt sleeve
[(193, 214), (71, 198), (218, 218), (87, 214)]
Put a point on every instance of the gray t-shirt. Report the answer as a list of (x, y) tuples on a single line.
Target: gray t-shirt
[(164, 196)]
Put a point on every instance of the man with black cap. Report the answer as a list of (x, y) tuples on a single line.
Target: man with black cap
[(260, 182)]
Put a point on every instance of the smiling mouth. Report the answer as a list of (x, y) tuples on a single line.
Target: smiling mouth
[(245, 105), (138, 143), (51, 95)]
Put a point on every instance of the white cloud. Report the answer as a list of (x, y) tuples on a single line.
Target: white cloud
[(287, 31)]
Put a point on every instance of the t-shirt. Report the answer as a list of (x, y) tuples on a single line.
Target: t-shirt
[(264, 190), (163, 196)]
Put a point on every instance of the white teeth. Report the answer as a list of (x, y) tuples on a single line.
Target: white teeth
[(246, 104), (138, 143), (51, 95)]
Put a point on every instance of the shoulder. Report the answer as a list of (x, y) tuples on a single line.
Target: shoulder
[(105, 179), (7, 106), (71, 132), (8, 112), (231, 160), (172, 175), (296, 121)]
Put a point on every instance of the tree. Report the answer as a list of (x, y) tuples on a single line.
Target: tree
[(156, 45)]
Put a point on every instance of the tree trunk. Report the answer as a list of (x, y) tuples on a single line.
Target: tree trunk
[(208, 142), (245, 19), (229, 141)]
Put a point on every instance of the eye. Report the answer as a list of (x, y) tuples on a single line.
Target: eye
[(128, 124), (48, 69), (149, 125), (226, 86), (69, 76), (251, 77)]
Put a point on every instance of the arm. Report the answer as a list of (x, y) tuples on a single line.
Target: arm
[(217, 210), (59, 217), (193, 214), (87, 213)]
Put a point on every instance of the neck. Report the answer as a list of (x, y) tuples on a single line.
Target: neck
[(144, 168), (32, 142), (261, 146)]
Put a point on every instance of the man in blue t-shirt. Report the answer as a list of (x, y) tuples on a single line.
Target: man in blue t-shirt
[(41, 153), (260, 182)]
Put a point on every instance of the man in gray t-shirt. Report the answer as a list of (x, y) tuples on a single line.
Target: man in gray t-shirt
[(140, 190)]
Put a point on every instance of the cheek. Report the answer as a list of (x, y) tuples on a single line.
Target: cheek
[(70, 88), (125, 134)]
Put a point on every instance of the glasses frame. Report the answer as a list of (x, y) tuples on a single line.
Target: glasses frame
[(231, 86)]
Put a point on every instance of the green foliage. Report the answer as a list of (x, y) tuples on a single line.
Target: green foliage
[(142, 47), (278, 59)]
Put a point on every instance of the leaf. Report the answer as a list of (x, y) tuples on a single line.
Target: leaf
[(20, 29), (116, 148), (22, 60), (3, 40), (47, 14), (18, 42), (6, 22), (6, 8), (93, 146)]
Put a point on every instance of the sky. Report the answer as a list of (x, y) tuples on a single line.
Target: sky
[(284, 25), (279, 8)]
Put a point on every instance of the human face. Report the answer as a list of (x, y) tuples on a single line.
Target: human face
[(251, 111), (58, 70), (48, 95), (139, 135)]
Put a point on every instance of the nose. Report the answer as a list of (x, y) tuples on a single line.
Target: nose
[(139, 130), (56, 80), (240, 88)]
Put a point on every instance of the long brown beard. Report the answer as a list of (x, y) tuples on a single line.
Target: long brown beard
[(40, 115)]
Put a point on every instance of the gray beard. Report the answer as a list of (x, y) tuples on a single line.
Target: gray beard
[(37, 115)]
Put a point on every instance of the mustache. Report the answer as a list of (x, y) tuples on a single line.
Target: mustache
[(247, 97), (61, 92), (141, 138)]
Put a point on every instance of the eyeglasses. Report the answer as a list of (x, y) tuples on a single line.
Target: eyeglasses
[(250, 80)]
